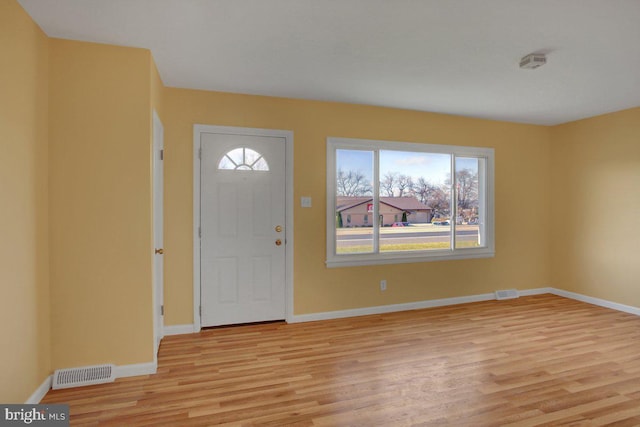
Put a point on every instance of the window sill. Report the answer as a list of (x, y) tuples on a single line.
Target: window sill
[(403, 258)]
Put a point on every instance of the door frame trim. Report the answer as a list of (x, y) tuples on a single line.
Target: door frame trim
[(198, 130), (158, 288)]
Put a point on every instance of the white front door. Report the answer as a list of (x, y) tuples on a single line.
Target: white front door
[(242, 219)]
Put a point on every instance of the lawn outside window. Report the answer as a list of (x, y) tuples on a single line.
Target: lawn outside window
[(397, 202)]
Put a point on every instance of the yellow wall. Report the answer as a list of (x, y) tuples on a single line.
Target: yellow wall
[(75, 180), (24, 272), (100, 211), (522, 202), (595, 202)]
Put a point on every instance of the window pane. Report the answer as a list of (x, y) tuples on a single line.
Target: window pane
[(414, 189), (243, 159), (225, 163), (468, 209), (354, 201), (250, 156), (236, 155), (261, 165)]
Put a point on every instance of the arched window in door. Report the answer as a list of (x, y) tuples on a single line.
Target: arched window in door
[(243, 158)]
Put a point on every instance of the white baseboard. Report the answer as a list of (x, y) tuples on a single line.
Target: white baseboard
[(151, 367), (390, 308), (458, 300), (40, 392), (596, 301), (178, 329), (120, 371), (134, 370), (536, 291)]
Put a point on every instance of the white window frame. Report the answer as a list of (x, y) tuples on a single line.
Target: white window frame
[(486, 203)]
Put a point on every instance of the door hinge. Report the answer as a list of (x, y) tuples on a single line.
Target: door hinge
[(162, 310), (199, 232), (200, 311), (161, 154), (200, 153)]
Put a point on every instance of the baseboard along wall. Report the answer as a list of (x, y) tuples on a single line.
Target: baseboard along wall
[(178, 329), (151, 367), (121, 371), (40, 392)]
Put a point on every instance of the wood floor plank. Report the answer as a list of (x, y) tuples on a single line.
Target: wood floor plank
[(537, 360)]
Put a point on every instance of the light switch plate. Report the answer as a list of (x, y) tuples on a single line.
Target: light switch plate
[(305, 202)]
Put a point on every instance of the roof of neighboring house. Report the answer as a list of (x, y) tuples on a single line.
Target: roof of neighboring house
[(402, 203), (345, 202), (405, 203)]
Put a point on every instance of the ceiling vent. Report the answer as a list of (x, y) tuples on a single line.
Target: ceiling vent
[(533, 61)]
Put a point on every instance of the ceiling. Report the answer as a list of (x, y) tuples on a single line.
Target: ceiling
[(448, 56)]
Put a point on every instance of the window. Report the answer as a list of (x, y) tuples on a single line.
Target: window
[(243, 159), (427, 202)]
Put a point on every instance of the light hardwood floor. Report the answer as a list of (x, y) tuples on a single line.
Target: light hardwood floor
[(538, 360)]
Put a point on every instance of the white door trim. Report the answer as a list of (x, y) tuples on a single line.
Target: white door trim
[(288, 136), (158, 233)]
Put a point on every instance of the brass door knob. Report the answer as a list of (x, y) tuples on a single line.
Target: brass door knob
[(159, 251), (278, 242), (278, 228)]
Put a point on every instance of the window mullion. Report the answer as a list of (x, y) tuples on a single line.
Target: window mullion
[(376, 201), (482, 199), (453, 210), (331, 194)]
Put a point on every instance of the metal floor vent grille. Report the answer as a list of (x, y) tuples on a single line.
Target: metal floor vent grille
[(88, 375), (507, 294)]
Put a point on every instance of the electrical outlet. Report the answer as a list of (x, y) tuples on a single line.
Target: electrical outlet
[(383, 285)]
